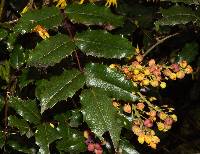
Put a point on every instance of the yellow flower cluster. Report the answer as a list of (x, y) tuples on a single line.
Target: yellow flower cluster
[(63, 3), (147, 136)]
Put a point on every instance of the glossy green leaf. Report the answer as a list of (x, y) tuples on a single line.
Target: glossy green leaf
[(51, 51), (45, 135), (113, 82), (178, 15), (72, 140), (127, 148), (5, 71), (47, 17), (91, 14), (20, 124), (58, 88), (18, 57), (26, 108), (189, 52), (103, 44), (21, 148), (184, 1), (100, 115), (3, 33), (24, 79), (73, 118)]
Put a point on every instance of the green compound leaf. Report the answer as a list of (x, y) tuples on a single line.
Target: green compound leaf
[(26, 108), (21, 124), (21, 148), (100, 114), (18, 57), (51, 51), (112, 81), (3, 33), (48, 17), (45, 135), (58, 88), (178, 15), (91, 14), (103, 44), (72, 140)]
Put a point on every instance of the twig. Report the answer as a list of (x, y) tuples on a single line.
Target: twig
[(159, 42), (71, 35)]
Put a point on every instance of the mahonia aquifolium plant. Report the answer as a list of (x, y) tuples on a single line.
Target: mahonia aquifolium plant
[(147, 114), (90, 104)]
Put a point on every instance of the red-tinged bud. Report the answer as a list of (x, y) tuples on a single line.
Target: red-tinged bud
[(175, 67), (91, 147), (98, 151), (168, 121), (148, 123), (98, 146)]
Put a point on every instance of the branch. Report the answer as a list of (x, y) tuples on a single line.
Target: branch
[(159, 42)]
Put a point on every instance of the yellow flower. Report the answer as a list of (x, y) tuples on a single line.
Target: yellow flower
[(152, 145), (161, 126), (155, 139), (174, 117), (111, 2), (148, 139), (61, 3), (41, 31), (141, 138)]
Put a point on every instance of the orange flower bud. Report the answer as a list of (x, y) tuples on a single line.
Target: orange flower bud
[(140, 106), (180, 74), (152, 62), (139, 58), (188, 69), (152, 113), (167, 72), (154, 83), (127, 108)]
